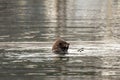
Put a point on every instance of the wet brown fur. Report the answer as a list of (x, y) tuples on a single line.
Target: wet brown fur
[(60, 47)]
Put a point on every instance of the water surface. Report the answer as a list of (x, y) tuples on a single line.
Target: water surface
[(28, 29)]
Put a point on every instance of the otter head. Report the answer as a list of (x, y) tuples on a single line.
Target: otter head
[(60, 47), (64, 46)]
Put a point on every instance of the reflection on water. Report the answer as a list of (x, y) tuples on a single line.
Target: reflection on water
[(43, 20)]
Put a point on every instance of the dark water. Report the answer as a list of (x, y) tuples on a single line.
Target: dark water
[(29, 27)]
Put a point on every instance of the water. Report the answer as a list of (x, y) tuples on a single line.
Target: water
[(29, 27), (38, 20), (36, 61)]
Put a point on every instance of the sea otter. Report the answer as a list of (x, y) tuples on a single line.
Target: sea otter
[(60, 47)]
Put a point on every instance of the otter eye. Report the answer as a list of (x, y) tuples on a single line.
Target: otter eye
[(60, 43)]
